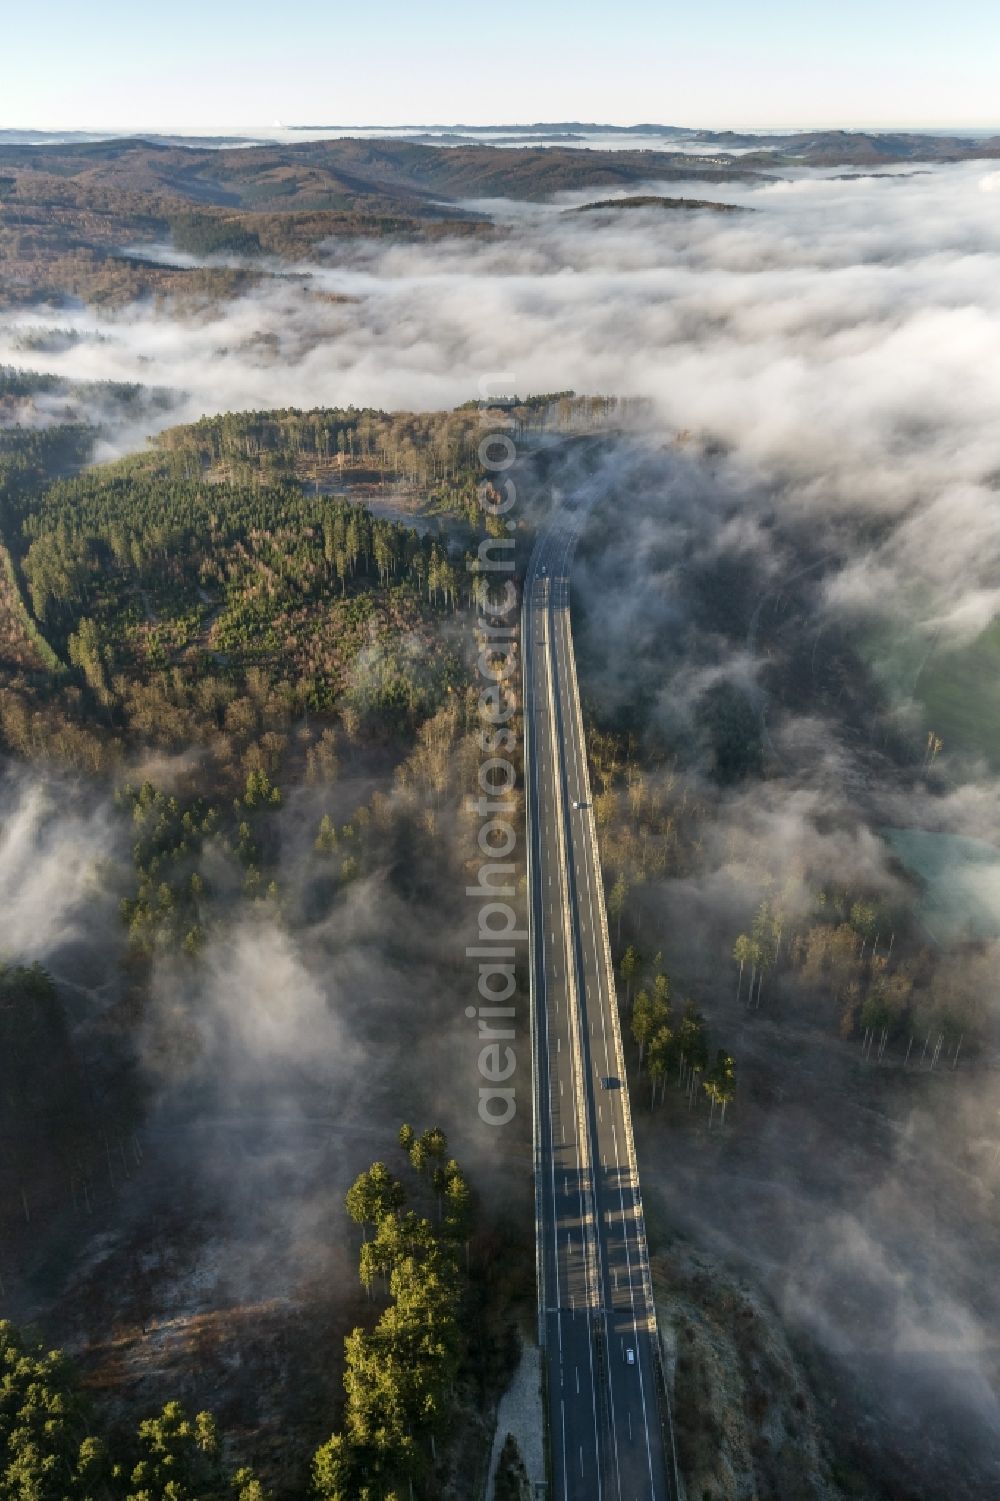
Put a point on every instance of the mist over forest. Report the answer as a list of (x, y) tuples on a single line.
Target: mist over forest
[(240, 508)]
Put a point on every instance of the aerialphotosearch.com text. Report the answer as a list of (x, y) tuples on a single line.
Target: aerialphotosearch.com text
[(495, 804)]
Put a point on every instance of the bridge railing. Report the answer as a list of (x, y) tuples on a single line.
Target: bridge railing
[(527, 694)]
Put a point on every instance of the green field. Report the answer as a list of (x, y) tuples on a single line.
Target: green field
[(956, 686), (960, 691), (960, 879)]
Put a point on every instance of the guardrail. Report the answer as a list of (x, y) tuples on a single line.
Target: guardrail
[(595, 1281), (527, 654)]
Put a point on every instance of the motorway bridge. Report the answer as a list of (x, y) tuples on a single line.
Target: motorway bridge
[(606, 1406)]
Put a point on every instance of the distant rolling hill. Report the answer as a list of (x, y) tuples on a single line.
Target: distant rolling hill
[(848, 148), (411, 176), (339, 173), (68, 207), (652, 201)]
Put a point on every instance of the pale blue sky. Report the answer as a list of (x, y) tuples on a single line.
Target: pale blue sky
[(220, 63)]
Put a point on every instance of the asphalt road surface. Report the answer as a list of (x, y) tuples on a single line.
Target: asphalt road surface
[(596, 1315)]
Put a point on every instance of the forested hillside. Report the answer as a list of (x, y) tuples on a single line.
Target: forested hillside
[(239, 650), (67, 211), (243, 574), (177, 591)]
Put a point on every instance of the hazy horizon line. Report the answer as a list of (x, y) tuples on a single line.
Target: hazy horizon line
[(529, 127)]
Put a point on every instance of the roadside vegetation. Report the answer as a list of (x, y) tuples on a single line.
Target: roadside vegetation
[(51, 1448), (400, 1379), (399, 1376), (862, 966)]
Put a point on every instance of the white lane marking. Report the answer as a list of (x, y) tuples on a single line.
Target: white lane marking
[(552, 1164), (562, 1407), (598, 958)]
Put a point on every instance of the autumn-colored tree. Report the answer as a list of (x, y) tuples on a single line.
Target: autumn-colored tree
[(720, 1086), (617, 897), (628, 969)]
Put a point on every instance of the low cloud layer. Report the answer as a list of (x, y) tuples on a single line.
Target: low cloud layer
[(842, 338), (54, 847)]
